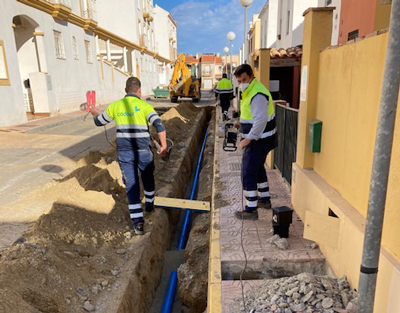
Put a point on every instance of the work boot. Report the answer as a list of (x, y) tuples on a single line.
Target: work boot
[(148, 208), (264, 204), (138, 229), (244, 215)]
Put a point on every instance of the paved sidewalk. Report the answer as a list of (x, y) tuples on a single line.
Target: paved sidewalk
[(34, 154), (40, 124), (265, 260)]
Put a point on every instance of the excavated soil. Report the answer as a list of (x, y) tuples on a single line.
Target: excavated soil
[(193, 273), (81, 256)]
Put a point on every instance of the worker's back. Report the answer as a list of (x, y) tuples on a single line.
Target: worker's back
[(224, 89), (131, 116), (224, 85)]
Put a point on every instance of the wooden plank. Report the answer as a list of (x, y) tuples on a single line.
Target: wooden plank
[(322, 229), (214, 296), (181, 204)]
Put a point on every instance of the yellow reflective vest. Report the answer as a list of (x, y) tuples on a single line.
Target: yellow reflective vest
[(246, 118), (131, 115), (224, 87)]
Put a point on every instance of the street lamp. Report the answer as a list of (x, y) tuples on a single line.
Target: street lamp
[(245, 3), (226, 50), (231, 36)]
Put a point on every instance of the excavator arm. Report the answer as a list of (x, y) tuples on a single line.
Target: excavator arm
[(181, 67)]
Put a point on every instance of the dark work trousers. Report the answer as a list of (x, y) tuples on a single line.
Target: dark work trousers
[(225, 103), (132, 162), (254, 176)]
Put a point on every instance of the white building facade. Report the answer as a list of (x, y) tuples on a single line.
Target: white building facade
[(336, 17), (53, 52), (269, 22), (166, 43), (135, 23), (291, 21)]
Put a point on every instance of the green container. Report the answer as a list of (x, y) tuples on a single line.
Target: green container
[(161, 93), (314, 136)]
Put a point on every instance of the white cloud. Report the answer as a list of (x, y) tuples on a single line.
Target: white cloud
[(202, 25)]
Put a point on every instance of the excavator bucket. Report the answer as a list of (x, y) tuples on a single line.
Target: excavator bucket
[(178, 87)]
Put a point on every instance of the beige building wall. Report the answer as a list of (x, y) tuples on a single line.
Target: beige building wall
[(382, 15), (344, 93)]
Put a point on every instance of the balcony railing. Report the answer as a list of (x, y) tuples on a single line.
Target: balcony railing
[(142, 40), (89, 11), (66, 3)]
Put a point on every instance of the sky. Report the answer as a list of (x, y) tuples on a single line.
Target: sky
[(204, 24)]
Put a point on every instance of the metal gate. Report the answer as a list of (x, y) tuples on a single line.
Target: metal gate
[(285, 153)]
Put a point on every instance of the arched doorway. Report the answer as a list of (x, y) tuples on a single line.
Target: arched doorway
[(31, 58)]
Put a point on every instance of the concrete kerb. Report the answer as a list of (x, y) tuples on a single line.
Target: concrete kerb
[(41, 128)]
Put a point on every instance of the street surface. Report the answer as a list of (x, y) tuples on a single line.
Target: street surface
[(28, 162)]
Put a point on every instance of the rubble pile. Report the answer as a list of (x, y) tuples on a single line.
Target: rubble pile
[(301, 293)]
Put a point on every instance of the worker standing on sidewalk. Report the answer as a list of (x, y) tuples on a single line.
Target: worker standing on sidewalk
[(225, 92), (259, 137), (132, 116)]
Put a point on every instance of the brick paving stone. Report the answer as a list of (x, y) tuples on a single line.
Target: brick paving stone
[(254, 233)]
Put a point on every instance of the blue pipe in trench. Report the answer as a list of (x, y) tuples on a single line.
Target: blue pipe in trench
[(173, 280)]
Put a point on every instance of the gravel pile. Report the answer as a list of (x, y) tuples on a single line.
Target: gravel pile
[(301, 293)]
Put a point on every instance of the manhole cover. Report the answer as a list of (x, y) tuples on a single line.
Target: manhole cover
[(235, 166)]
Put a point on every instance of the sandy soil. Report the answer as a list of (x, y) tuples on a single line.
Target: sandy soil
[(193, 274), (81, 256)]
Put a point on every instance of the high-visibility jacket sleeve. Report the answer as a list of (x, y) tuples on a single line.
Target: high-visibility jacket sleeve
[(106, 117), (259, 105), (153, 118)]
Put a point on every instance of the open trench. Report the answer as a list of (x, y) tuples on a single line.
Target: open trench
[(81, 256)]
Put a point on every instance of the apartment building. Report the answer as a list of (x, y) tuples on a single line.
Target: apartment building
[(269, 22), (360, 18), (166, 42), (53, 52), (211, 69)]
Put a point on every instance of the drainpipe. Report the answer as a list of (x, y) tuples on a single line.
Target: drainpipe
[(381, 166)]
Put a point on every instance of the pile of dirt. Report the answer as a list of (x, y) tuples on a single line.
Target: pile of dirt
[(193, 274), (81, 256)]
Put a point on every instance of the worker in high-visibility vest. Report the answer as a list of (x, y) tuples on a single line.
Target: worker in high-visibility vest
[(132, 116), (259, 137), (225, 92)]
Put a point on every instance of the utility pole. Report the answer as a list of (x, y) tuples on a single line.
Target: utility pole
[(381, 166)]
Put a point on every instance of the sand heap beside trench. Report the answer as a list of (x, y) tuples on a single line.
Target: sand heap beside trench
[(80, 254)]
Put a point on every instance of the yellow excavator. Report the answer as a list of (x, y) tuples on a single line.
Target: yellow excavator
[(185, 82)]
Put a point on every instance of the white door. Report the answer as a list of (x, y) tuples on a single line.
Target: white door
[(208, 84)]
